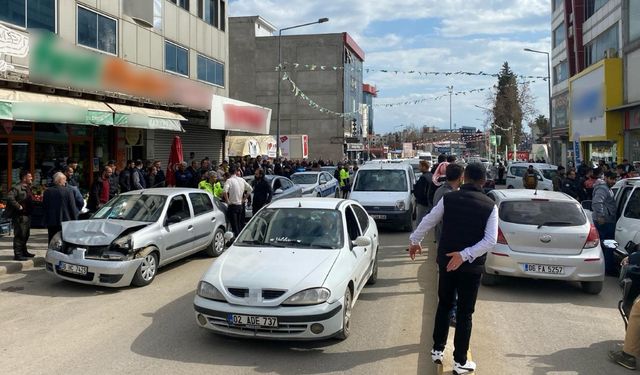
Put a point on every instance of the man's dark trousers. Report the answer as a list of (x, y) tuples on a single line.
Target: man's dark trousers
[(235, 215), (21, 231), (466, 284)]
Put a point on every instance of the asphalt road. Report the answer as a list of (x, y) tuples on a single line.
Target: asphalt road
[(520, 327)]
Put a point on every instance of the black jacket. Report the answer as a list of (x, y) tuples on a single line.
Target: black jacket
[(262, 192), (59, 205), (94, 195), (125, 180), (421, 189)]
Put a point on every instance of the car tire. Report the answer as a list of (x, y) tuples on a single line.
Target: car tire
[(374, 274), (408, 225), (510, 187), (216, 247), (346, 316), (489, 279), (592, 287), (147, 271)]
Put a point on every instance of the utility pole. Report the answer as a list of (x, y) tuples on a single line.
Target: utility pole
[(450, 88)]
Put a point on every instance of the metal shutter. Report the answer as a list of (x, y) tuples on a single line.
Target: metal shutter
[(196, 138)]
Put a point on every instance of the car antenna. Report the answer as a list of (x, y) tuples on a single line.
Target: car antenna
[(299, 204)]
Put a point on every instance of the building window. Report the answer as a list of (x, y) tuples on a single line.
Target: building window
[(97, 31), (557, 4), (210, 71), (634, 19), (558, 35), (592, 6), (223, 16), (176, 59), (560, 72), (184, 4), (30, 14), (208, 11), (595, 50)]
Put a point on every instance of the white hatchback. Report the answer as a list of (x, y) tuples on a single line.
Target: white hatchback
[(544, 235)]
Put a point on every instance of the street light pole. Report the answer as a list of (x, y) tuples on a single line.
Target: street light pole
[(321, 20), (450, 88), (551, 154)]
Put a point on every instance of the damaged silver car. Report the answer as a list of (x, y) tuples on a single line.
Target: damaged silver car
[(129, 238)]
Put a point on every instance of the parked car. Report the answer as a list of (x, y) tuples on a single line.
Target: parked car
[(294, 272), (329, 169), (545, 173), (135, 233), (282, 188), (544, 235), (316, 184), (5, 223), (385, 191)]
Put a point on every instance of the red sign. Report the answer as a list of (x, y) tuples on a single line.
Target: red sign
[(305, 146), (243, 118), (520, 155)]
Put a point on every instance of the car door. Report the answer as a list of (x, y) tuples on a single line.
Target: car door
[(204, 220), (367, 228), (289, 190), (628, 224), (332, 184), (323, 184), (514, 177), (178, 235), (362, 254)]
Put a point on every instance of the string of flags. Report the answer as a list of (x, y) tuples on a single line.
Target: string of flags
[(286, 66), (300, 94)]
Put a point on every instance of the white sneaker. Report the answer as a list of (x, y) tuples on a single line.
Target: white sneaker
[(436, 356), (465, 368)]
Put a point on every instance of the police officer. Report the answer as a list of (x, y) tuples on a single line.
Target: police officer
[(20, 205)]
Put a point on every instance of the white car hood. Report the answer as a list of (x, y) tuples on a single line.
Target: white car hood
[(99, 232), (378, 198), (258, 268)]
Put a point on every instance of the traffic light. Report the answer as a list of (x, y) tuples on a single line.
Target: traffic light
[(354, 127)]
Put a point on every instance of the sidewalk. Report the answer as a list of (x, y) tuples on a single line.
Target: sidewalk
[(37, 245)]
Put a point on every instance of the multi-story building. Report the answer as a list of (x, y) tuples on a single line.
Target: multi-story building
[(595, 91), (327, 68), (368, 93), (108, 79)]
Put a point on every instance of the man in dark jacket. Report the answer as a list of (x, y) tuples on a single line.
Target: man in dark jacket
[(160, 180), (571, 186), (58, 205), (558, 179), (99, 194), (138, 181), (470, 229), (125, 177), (530, 178), (19, 209), (113, 179), (183, 177), (421, 190), (262, 192)]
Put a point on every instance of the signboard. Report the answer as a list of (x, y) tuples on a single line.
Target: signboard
[(520, 155), (12, 43), (294, 146), (355, 147), (407, 149), (587, 104), (577, 159), (229, 114)]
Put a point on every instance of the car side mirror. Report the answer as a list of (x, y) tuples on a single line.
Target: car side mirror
[(362, 241), (586, 205), (173, 219), (228, 238), (278, 191), (540, 178)]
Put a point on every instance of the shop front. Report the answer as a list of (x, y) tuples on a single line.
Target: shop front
[(595, 93), (632, 134)]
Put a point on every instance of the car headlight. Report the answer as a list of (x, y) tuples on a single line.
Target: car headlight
[(208, 291), (400, 205), (56, 243), (122, 244), (312, 296)]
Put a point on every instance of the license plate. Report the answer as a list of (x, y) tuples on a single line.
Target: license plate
[(379, 217), (72, 268), (250, 320), (543, 268)]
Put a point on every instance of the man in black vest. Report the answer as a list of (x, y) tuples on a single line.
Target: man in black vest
[(469, 230)]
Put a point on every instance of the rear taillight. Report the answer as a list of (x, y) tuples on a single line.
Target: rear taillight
[(593, 239), (501, 239)]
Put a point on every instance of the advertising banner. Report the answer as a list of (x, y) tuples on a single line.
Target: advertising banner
[(234, 115)]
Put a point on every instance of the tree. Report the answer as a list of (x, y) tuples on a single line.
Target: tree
[(539, 128)]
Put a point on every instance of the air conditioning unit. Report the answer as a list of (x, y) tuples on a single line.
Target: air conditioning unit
[(610, 53)]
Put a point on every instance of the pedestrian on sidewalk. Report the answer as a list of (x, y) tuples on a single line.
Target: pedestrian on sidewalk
[(138, 181), (262, 192), (99, 193), (58, 205), (234, 189), (530, 178), (19, 207), (604, 217), (113, 179), (421, 191), (125, 177), (558, 179), (78, 199), (470, 229), (160, 179)]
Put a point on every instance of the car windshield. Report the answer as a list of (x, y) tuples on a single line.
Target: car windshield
[(381, 180), (304, 179), (542, 213), (549, 174), (136, 207), (294, 227)]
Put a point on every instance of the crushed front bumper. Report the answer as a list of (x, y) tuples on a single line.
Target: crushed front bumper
[(110, 273)]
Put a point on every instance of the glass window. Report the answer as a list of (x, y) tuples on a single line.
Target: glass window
[(518, 171), (97, 31), (634, 19), (632, 211), (179, 207), (208, 11), (381, 180), (596, 49), (201, 203), (223, 16), (184, 4), (352, 224), (560, 72), (362, 216), (305, 178), (137, 207), (558, 35), (622, 200), (592, 6), (542, 212), (32, 14), (176, 59), (210, 71), (557, 4)]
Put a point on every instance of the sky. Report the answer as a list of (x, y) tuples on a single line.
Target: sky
[(428, 35)]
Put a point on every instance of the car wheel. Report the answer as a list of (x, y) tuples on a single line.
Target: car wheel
[(216, 247), (510, 187), (147, 270), (592, 287), (346, 316), (408, 225), (374, 274), (489, 279)]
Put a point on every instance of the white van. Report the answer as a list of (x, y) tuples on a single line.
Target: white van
[(385, 191), (425, 156), (545, 173)]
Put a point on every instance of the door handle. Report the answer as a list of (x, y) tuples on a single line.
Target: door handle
[(190, 228), (213, 219), (619, 229)]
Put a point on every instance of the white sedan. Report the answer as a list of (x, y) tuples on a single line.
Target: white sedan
[(294, 272), (316, 184)]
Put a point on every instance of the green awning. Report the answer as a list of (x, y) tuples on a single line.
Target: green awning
[(146, 118)]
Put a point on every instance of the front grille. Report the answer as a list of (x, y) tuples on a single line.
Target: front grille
[(283, 328), (379, 208), (87, 277), (239, 292), (272, 294)]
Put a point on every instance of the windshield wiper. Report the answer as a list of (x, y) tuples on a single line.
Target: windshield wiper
[(554, 224), (252, 242), (316, 245)]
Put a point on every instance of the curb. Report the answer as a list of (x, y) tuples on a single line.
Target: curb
[(16, 266)]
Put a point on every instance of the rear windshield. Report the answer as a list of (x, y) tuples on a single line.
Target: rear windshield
[(381, 180), (542, 213), (549, 174), (304, 179)]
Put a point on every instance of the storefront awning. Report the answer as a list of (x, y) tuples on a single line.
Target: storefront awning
[(28, 106), (625, 106), (146, 118)]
